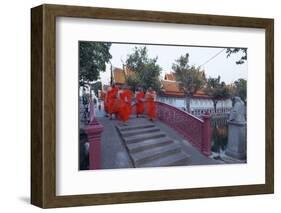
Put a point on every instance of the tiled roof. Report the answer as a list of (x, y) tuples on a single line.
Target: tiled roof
[(171, 88), (118, 76), (170, 77)]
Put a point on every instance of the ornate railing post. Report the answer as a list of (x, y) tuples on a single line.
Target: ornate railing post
[(93, 131), (206, 139)]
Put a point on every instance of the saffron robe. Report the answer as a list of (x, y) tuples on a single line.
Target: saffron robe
[(151, 109), (125, 104), (139, 103), (111, 100)]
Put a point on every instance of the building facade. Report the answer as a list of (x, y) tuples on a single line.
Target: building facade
[(199, 104)]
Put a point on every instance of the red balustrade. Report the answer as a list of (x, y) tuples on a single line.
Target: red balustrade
[(193, 129)]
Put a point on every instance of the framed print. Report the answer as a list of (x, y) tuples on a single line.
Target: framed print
[(136, 106)]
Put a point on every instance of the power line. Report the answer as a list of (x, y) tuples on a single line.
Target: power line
[(212, 57)]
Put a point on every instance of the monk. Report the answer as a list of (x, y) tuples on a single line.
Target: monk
[(150, 103), (111, 100), (125, 98), (139, 102)]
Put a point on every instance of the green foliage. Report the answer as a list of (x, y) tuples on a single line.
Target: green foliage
[(190, 78), (93, 57), (230, 51), (133, 82), (216, 89), (96, 87), (241, 89), (146, 69)]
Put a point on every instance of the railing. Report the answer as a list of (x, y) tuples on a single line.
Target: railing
[(201, 111), (193, 129), (219, 120)]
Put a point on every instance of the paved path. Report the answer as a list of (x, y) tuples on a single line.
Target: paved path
[(113, 152)]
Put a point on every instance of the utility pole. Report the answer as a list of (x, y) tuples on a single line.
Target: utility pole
[(111, 75)]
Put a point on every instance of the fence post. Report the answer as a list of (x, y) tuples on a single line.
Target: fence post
[(207, 133), (93, 131)]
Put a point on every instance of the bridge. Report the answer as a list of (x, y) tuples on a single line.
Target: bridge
[(176, 138)]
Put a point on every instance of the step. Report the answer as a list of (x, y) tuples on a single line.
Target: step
[(177, 159), (152, 154), (142, 126), (142, 137), (126, 133), (148, 144)]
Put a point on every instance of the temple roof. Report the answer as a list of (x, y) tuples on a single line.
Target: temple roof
[(170, 76), (169, 86), (120, 75), (172, 89)]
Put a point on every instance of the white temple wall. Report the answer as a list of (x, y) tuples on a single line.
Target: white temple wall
[(199, 106)]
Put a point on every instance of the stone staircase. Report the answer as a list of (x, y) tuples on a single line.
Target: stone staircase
[(148, 146)]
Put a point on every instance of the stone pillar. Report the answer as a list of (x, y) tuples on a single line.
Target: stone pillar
[(94, 130), (207, 133), (236, 145)]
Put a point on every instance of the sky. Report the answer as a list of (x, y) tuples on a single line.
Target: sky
[(219, 65)]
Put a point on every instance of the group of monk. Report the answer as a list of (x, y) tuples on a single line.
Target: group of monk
[(118, 102)]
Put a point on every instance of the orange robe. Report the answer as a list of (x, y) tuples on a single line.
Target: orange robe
[(125, 105), (111, 100), (151, 109), (139, 103)]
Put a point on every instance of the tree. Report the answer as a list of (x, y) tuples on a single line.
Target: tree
[(230, 51), (217, 90), (146, 69), (190, 78), (96, 87), (241, 89), (93, 57), (133, 82)]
